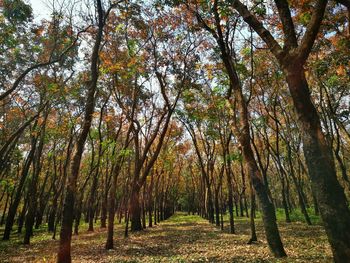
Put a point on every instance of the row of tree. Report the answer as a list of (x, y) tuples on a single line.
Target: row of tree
[(136, 109)]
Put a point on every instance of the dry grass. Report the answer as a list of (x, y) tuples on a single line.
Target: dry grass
[(179, 239)]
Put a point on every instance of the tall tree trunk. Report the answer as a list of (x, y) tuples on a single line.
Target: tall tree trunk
[(64, 252), (319, 159), (22, 216), (284, 201), (292, 57), (42, 201), (316, 208), (217, 208), (253, 236), (13, 207), (111, 207), (143, 208), (150, 202), (77, 212), (210, 204), (104, 199), (33, 199), (92, 202), (135, 210), (5, 208), (52, 215), (230, 194), (242, 132)]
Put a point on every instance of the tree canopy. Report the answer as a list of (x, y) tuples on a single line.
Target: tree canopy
[(136, 110)]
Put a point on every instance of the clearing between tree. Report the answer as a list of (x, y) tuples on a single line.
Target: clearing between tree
[(181, 238)]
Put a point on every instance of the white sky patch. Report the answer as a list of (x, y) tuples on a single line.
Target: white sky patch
[(41, 8)]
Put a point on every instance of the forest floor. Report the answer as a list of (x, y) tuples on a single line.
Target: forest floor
[(182, 238)]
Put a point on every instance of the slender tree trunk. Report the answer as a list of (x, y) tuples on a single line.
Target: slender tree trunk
[(155, 211), (143, 208), (303, 207), (77, 213), (22, 216), (150, 202), (230, 200), (316, 208), (210, 205), (52, 216), (92, 202), (222, 209), (236, 206), (64, 252), (5, 209), (111, 207), (217, 208), (104, 201), (253, 236), (241, 208), (33, 201), (42, 202), (13, 208), (298, 187), (243, 134), (126, 232), (284, 201)]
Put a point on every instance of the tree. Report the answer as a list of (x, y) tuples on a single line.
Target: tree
[(64, 253), (318, 154)]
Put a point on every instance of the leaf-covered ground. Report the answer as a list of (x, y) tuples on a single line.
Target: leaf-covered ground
[(182, 238)]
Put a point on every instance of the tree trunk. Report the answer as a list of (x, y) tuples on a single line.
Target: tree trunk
[(242, 132), (64, 253), (230, 201), (22, 216), (32, 198), (150, 202), (104, 202), (111, 208), (144, 207), (155, 211), (217, 208), (284, 201), (77, 213), (13, 207), (319, 159), (135, 210), (52, 215), (316, 208), (297, 186), (210, 204), (253, 236), (5, 208), (92, 202)]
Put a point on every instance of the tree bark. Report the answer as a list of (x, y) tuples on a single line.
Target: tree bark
[(135, 210), (319, 159), (64, 252), (13, 207), (111, 207), (33, 202)]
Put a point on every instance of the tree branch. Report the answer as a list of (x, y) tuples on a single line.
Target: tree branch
[(312, 30), (345, 3), (259, 28), (40, 65), (290, 39)]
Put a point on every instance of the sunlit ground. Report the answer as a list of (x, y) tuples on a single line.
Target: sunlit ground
[(182, 238)]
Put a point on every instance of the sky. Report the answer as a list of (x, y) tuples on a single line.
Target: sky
[(40, 8)]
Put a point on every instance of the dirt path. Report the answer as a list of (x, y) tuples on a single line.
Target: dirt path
[(180, 239)]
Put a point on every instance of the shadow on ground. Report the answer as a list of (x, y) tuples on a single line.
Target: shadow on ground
[(182, 238)]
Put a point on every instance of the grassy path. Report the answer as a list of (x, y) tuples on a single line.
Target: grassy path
[(182, 238)]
